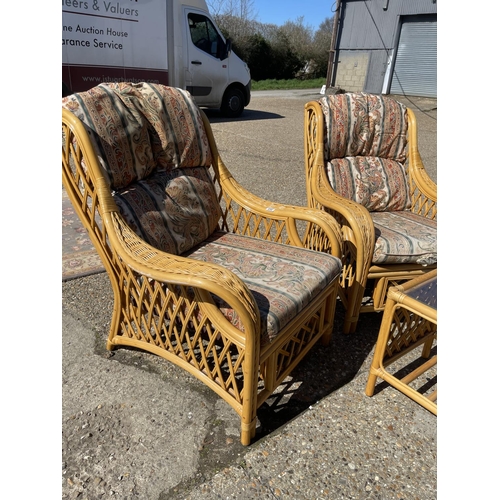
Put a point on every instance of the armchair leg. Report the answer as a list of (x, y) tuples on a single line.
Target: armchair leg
[(329, 311), (372, 379), (350, 324), (113, 332), (248, 431), (426, 350), (355, 297)]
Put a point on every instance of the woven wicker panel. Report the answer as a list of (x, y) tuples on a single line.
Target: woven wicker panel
[(82, 191), (406, 330), (170, 319), (421, 204)]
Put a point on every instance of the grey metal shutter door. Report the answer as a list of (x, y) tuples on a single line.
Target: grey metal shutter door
[(415, 69)]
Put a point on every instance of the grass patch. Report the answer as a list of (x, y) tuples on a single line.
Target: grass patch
[(288, 84)]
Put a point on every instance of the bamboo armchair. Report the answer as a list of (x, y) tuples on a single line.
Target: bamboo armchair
[(220, 282), (363, 167)]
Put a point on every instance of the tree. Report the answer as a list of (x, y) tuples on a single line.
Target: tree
[(259, 57), (242, 9), (273, 51), (286, 62), (299, 38), (321, 46)]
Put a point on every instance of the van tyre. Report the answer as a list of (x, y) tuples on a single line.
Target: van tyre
[(233, 103)]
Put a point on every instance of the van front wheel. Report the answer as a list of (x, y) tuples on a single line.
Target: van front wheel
[(232, 103)]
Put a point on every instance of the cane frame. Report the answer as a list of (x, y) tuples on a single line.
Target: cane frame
[(163, 303), (357, 225), (407, 323)]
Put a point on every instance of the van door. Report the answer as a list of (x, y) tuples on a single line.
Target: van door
[(207, 61)]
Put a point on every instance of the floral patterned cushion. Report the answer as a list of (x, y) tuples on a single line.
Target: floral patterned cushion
[(282, 278), (154, 150), (376, 183), (360, 124), (403, 238), (171, 210), (137, 128), (365, 147)]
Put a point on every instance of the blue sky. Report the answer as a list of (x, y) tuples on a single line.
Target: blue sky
[(280, 11)]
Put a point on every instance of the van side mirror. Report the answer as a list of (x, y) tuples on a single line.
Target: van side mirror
[(228, 48)]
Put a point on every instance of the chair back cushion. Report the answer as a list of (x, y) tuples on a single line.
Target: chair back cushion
[(360, 124), (376, 183), (365, 147), (154, 151), (137, 128), (172, 210)]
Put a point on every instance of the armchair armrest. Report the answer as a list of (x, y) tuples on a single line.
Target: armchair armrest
[(355, 220), (204, 278), (422, 188), (264, 219), (357, 223)]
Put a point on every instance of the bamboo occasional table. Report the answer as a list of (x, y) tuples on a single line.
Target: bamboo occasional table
[(409, 321)]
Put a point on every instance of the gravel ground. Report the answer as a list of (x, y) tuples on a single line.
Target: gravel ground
[(320, 436), (136, 426)]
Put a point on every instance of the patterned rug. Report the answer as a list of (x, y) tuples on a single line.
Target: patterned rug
[(79, 258)]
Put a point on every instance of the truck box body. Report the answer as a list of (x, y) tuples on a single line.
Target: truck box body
[(172, 42)]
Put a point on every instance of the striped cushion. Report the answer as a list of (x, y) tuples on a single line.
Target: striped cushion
[(171, 210), (404, 238), (154, 150), (137, 128), (376, 183), (360, 124), (283, 279), (365, 147)]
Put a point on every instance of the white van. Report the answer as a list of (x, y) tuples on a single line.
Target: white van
[(172, 42)]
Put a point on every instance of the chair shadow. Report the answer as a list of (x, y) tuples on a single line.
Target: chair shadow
[(324, 370), (215, 116)]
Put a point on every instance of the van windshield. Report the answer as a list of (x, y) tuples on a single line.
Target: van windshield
[(205, 36)]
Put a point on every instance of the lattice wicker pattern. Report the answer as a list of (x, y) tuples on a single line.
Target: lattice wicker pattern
[(358, 231), (407, 330), (165, 304), (420, 203), (409, 327), (417, 379)]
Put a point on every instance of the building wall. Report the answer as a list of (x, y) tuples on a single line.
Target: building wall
[(352, 71), (368, 34)]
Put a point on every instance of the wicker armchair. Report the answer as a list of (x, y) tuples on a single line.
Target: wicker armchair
[(363, 167), (224, 284)]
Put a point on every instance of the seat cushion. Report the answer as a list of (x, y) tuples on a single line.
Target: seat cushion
[(376, 183), (404, 238), (283, 279), (171, 210)]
